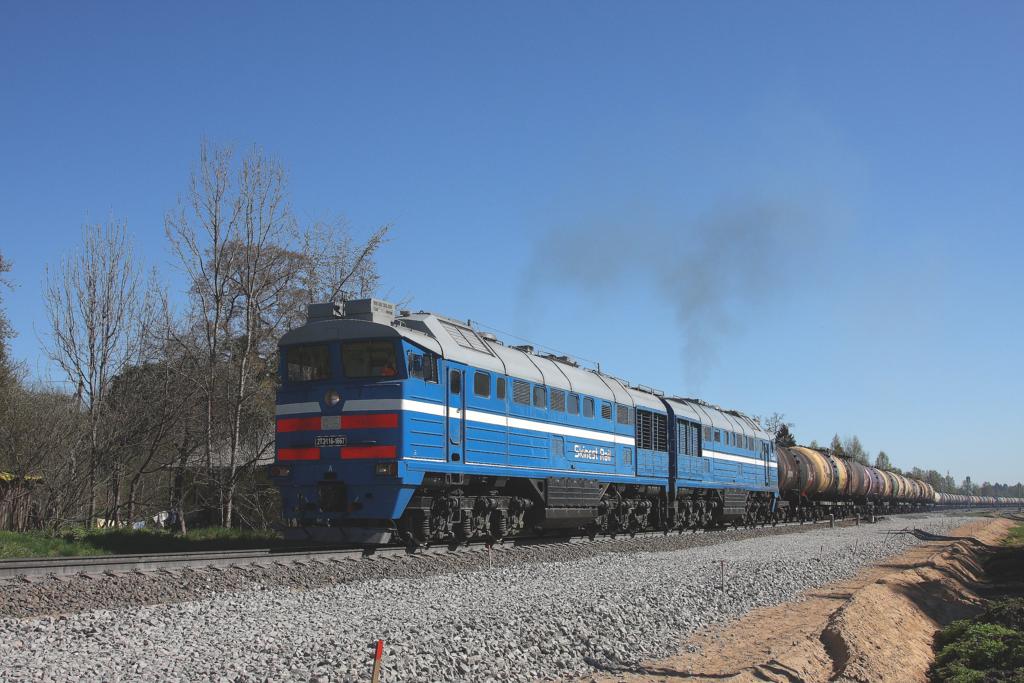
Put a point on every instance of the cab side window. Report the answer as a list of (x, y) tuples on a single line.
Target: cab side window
[(422, 366), (430, 372)]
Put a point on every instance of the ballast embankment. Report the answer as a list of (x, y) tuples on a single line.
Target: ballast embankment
[(534, 615)]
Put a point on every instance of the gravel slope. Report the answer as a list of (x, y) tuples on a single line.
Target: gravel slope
[(44, 596), (520, 622)]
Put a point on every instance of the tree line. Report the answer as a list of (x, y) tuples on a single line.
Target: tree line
[(852, 448), (164, 408)]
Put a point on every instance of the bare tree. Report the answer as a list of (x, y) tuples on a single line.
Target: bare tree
[(43, 457), (261, 272), (47, 456), (854, 450), (157, 401), (167, 411), (92, 307), (882, 461), (7, 371), (200, 232), (235, 240), (781, 431), (335, 266)]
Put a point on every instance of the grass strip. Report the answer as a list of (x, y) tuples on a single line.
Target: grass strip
[(80, 541)]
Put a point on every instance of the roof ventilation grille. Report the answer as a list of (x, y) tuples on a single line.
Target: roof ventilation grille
[(373, 310), (464, 336), (326, 311)]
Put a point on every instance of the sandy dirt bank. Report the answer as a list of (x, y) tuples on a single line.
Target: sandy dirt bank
[(876, 626)]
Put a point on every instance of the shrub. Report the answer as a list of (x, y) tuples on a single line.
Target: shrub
[(974, 651), (1008, 613)]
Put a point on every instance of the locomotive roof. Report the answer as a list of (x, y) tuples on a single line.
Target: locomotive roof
[(462, 343), (717, 417), (456, 340)]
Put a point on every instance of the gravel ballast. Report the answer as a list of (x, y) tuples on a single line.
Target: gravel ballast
[(516, 621)]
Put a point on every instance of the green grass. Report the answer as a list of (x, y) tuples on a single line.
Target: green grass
[(81, 541), (31, 544), (1016, 537)]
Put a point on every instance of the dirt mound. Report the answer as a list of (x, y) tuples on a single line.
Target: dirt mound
[(877, 626)]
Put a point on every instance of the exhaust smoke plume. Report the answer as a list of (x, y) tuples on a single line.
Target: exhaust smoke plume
[(716, 274)]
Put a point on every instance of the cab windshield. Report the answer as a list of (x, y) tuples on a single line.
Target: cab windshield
[(307, 363), (369, 359)]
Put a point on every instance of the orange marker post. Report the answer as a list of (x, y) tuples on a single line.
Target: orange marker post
[(378, 655)]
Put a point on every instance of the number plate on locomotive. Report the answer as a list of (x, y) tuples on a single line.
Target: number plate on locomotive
[(328, 441)]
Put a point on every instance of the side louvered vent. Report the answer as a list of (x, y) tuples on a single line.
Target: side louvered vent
[(520, 392), (558, 400), (643, 430), (660, 432), (651, 431)]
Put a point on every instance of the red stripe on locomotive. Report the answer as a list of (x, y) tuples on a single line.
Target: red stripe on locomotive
[(368, 452), (298, 454), (376, 421), (298, 424)]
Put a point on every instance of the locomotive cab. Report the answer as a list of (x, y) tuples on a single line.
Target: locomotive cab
[(339, 425)]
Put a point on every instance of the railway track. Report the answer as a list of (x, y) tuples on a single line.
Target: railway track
[(98, 565)]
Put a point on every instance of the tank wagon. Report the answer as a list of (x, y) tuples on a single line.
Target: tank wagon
[(960, 500), (815, 483), (414, 428)]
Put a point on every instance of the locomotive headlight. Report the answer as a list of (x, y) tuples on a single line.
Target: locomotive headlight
[(386, 469), (332, 398)]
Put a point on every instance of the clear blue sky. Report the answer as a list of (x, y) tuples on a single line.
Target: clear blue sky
[(811, 208)]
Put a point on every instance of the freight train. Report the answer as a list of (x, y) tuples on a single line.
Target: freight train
[(416, 428)]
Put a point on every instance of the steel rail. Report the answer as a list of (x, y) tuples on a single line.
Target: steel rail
[(149, 562)]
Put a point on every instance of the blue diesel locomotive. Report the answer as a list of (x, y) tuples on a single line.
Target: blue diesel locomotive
[(416, 428)]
